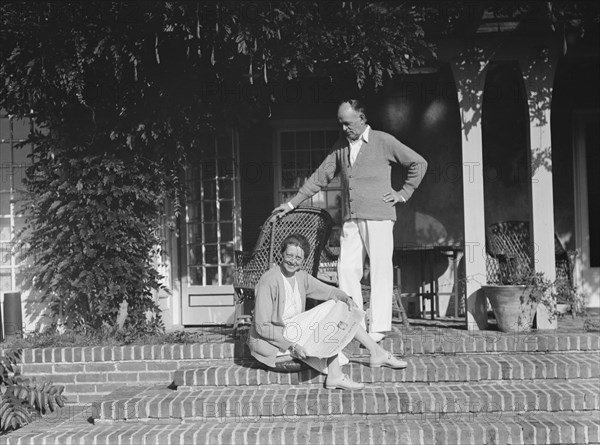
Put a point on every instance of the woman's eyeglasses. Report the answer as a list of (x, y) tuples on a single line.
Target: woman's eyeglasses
[(293, 258)]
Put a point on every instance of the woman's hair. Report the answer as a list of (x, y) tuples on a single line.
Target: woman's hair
[(296, 240)]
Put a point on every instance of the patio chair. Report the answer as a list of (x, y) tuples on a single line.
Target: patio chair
[(565, 262), (510, 253), (313, 223)]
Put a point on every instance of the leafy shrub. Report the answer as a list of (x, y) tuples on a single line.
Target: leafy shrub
[(591, 325), (570, 294), (20, 397), (91, 234)]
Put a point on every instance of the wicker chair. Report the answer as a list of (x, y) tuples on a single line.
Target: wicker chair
[(565, 262), (510, 253), (313, 223)]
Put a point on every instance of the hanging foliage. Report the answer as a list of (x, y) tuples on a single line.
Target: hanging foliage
[(123, 91)]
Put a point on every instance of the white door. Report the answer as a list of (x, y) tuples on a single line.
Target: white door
[(211, 232), (586, 133)]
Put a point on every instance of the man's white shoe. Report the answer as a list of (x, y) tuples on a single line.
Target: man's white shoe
[(376, 336)]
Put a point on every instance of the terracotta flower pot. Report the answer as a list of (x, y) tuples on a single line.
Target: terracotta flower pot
[(562, 308), (514, 306)]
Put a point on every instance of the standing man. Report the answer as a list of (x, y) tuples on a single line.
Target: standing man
[(363, 159)]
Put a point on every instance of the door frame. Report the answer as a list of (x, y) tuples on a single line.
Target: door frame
[(217, 301)]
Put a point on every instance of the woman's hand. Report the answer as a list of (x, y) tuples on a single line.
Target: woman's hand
[(298, 351), (349, 302)]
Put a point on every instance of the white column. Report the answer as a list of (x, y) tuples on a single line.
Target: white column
[(538, 65), (469, 69)]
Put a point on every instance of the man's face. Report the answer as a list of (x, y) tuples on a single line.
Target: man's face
[(353, 123)]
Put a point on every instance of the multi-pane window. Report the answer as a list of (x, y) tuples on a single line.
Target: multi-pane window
[(300, 152), (212, 218), (14, 160)]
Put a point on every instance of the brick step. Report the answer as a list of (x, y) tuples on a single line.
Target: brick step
[(413, 341), (417, 341), (410, 341), (268, 404), (423, 368), (500, 429)]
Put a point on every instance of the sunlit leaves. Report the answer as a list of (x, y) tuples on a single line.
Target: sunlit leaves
[(93, 224), (20, 397)]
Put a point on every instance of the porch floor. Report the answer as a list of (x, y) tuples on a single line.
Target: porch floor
[(566, 324)]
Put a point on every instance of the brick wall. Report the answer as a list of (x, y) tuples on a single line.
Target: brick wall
[(88, 373)]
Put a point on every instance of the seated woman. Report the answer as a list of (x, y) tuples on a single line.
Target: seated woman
[(280, 300)]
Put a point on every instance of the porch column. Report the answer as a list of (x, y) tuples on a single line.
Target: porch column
[(538, 65), (469, 68)]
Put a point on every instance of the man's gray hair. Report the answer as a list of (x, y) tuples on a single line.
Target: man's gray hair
[(356, 105)]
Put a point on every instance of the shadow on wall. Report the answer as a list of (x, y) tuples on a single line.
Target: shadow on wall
[(415, 228), (422, 111)]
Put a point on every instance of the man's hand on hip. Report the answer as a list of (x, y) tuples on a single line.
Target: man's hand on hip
[(393, 198)]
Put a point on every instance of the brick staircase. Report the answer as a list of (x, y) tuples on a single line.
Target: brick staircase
[(459, 388)]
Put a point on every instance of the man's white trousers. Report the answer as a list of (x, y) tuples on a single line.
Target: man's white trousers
[(361, 237)]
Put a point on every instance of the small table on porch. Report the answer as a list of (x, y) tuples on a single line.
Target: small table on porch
[(428, 281)]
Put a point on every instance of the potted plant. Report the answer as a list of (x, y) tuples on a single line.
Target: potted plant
[(515, 298), (568, 299)]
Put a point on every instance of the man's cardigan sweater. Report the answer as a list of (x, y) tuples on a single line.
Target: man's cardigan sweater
[(369, 178), (266, 333)]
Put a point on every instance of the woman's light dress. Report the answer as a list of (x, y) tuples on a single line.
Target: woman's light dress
[(298, 324)]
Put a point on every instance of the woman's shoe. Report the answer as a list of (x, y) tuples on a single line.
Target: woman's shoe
[(387, 360), (345, 382)]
